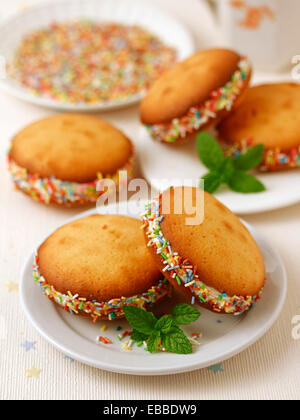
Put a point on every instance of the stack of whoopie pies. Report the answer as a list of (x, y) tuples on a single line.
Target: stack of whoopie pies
[(97, 265), (211, 89)]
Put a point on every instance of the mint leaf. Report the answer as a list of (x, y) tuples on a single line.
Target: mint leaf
[(230, 171), (212, 181), (210, 151), (250, 159), (245, 183), (141, 320), (185, 314), (227, 170), (137, 336), (176, 342), (153, 342), (164, 324)]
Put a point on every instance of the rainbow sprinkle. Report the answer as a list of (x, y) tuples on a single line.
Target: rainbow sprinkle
[(88, 62), (52, 190), (100, 310), (184, 272), (273, 160), (103, 340), (198, 116)]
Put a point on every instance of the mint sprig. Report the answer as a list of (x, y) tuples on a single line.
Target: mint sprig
[(226, 170), (163, 332), (142, 321), (184, 314)]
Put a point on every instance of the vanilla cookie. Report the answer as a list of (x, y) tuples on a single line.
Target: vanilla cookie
[(60, 159), (194, 95), (216, 263), (268, 115), (97, 265)]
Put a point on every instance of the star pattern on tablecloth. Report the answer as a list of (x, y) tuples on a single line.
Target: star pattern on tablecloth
[(11, 286), (217, 368), (33, 372), (29, 345)]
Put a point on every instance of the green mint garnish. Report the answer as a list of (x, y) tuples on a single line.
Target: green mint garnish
[(245, 183), (153, 342), (164, 324), (137, 336), (226, 170), (210, 152), (176, 342), (185, 314), (250, 159), (163, 332), (141, 320)]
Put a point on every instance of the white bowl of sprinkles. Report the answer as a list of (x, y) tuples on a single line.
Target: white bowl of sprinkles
[(159, 37)]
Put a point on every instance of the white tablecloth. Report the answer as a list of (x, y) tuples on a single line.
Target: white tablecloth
[(269, 369)]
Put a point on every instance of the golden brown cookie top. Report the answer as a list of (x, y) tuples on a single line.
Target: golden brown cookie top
[(268, 114), (71, 147), (226, 255), (188, 84), (100, 257)]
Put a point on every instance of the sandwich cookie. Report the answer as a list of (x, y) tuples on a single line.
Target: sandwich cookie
[(268, 115), (194, 95), (216, 264), (61, 159), (97, 265)]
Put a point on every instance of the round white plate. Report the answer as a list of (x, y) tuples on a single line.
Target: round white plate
[(223, 335), (128, 12), (164, 165)]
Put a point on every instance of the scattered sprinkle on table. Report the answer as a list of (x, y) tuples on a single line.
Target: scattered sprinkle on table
[(88, 62)]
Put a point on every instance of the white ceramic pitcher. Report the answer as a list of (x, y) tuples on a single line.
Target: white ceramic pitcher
[(267, 31)]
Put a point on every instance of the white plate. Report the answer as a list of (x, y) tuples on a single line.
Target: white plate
[(223, 335), (127, 12), (164, 165)]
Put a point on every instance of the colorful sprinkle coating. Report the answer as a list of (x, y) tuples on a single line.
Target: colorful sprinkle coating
[(99, 310), (185, 272), (273, 160), (88, 62), (52, 190), (198, 116)]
